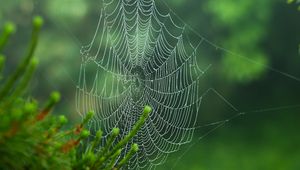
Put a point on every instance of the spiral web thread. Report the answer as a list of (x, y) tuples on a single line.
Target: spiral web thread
[(140, 56)]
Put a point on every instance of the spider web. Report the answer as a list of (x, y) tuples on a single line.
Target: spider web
[(140, 56)]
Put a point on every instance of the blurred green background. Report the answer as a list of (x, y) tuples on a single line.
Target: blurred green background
[(267, 32)]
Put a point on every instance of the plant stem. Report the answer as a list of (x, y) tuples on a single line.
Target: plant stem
[(9, 29), (37, 24)]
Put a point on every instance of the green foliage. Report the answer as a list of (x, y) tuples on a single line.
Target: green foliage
[(294, 1), (32, 138), (70, 10), (246, 29)]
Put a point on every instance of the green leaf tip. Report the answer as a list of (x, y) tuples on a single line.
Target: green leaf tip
[(90, 114), (135, 147), (55, 97), (10, 28), (62, 119), (30, 107), (34, 62), (147, 109), (85, 133), (38, 21), (115, 131)]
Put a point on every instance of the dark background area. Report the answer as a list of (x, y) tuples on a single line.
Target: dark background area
[(266, 32)]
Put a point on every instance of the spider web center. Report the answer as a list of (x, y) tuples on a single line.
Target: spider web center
[(136, 82)]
